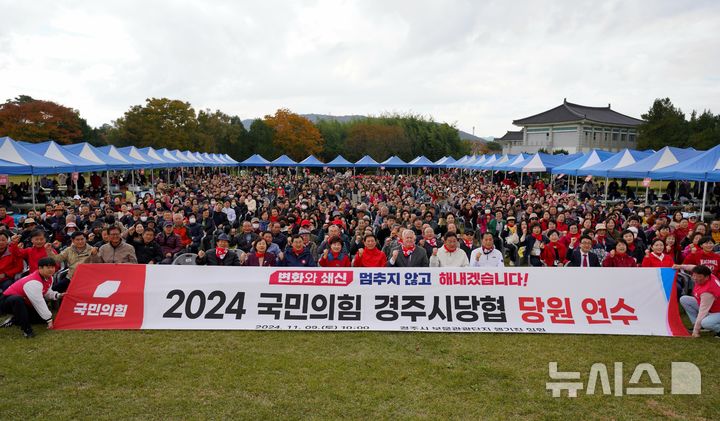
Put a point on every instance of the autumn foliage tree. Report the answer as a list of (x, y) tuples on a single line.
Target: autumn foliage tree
[(32, 120), (294, 135)]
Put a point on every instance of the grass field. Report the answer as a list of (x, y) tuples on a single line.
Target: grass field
[(358, 375)]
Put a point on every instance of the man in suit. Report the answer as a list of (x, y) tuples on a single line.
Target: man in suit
[(582, 256), (408, 254)]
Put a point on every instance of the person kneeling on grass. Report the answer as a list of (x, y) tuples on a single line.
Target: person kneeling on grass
[(703, 306), (25, 299)]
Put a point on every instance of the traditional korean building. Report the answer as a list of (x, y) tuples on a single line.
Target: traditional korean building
[(574, 128)]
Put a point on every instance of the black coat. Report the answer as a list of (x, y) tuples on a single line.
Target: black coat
[(575, 258), (211, 259), (145, 252)]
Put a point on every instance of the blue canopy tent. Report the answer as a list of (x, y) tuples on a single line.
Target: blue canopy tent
[(52, 150), (516, 159), (114, 152), (194, 162), (366, 162), (255, 161), (157, 156), (138, 155), (211, 160), (663, 158), (20, 160), (180, 158), (15, 153), (283, 161), (587, 159), (311, 161), (171, 158), (229, 160), (91, 153), (703, 167), (459, 162), (421, 162), (481, 164), (500, 162), (215, 157), (619, 160), (469, 161), (339, 162), (394, 162), (541, 162), (445, 162)]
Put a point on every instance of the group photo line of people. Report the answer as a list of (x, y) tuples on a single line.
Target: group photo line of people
[(295, 217)]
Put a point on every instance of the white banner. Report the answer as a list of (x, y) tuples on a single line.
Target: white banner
[(627, 301)]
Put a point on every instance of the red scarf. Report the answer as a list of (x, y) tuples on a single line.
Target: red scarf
[(448, 250), (538, 237), (407, 251), (468, 244), (432, 242), (221, 252), (259, 255)]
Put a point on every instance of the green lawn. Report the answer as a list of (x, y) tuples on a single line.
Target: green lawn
[(298, 375)]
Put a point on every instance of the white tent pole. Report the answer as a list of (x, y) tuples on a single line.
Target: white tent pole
[(132, 177), (647, 193), (32, 188), (76, 186), (107, 180), (702, 211)]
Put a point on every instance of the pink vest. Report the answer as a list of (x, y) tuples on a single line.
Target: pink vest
[(18, 288)]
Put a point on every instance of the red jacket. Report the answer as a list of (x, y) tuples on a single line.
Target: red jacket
[(32, 255), (653, 261), (619, 261), (374, 258), (10, 263), (549, 256), (711, 260), (335, 260)]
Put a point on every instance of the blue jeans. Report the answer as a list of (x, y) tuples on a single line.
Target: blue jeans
[(691, 307)]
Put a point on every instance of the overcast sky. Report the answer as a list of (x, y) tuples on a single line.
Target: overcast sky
[(477, 64)]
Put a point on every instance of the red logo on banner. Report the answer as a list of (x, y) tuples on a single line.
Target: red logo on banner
[(336, 278), (104, 297)]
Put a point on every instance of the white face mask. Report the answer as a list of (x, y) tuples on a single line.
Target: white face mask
[(303, 207), (143, 218), (256, 226), (192, 220)]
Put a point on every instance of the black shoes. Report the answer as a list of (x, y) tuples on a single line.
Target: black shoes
[(28, 333)]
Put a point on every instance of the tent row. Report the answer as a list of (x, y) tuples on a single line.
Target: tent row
[(52, 158), (340, 162)]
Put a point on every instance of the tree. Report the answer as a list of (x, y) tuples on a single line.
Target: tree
[(294, 135), (377, 140), (664, 125), (161, 123), (219, 132), (334, 133), (32, 120), (260, 140), (704, 130)]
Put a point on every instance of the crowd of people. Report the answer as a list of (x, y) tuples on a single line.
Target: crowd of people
[(336, 219)]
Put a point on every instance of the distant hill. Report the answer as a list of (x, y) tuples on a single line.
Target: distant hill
[(345, 118)]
